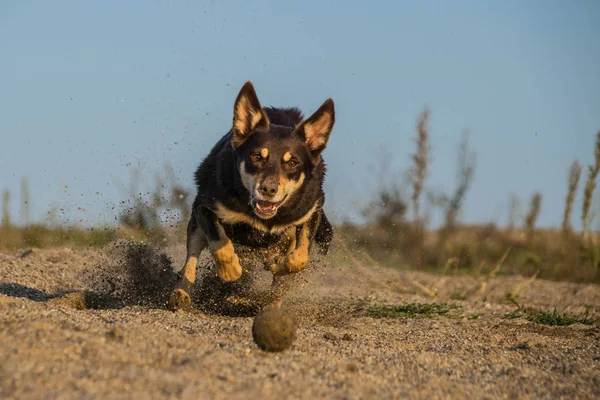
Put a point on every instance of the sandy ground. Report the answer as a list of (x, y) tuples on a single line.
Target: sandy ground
[(118, 341)]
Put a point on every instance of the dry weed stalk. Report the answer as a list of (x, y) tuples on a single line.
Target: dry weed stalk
[(532, 216), (492, 273), (429, 292), (418, 173), (574, 174), (5, 208), (516, 292), (590, 186), (514, 211), (466, 169), (452, 262), (25, 201)]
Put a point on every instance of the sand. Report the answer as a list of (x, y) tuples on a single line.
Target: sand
[(91, 323)]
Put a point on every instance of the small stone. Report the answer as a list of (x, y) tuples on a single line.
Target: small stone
[(351, 367), (26, 253), (521, 346), (115, 333)]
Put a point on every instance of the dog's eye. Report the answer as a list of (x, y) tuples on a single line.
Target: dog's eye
[(292, 163), (256, 157)]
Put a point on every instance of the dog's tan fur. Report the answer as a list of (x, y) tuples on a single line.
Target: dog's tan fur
[(296, 258), (289, 186), (233, 217), (228, 263)]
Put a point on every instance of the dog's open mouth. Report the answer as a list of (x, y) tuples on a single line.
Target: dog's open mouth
[(267, 208)]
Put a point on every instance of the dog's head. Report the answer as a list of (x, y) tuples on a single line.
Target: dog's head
[(274, 161)]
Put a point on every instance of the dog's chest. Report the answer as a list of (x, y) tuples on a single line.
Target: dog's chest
[(248, 236), (242, 224)]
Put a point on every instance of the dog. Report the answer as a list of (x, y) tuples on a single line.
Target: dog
[(261, 186)]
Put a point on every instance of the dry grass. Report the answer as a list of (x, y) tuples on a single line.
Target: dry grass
[(545, 253), (453, 204), (477, 249), (40, 236), (574, 174), (6, 219), (590, 186), (535, 206), (514, 211), (418, 173)]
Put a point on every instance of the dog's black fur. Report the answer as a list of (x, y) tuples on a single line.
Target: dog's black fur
[(261, 182), (217, 178)]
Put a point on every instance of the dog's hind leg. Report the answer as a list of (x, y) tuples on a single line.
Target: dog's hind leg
[(324, 233), (196, 242)]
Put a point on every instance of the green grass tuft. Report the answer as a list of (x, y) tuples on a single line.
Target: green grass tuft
[(554, 318), (557, 319), (410, 310)]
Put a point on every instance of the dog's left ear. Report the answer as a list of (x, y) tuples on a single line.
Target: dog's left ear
[(248, 115), (315, 130)]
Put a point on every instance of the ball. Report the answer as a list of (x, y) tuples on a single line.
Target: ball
[(274, 330)]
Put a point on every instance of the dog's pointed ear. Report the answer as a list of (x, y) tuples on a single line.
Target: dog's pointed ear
[(315, 130), (248, 115)]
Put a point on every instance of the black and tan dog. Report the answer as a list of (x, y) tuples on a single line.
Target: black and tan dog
[(260, 186)]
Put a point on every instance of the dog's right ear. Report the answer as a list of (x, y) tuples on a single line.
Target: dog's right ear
[(248, 115)]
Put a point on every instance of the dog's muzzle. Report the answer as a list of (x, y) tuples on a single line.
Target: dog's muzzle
[(265, 208)]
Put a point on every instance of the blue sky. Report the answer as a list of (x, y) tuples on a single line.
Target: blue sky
[(90, 89)]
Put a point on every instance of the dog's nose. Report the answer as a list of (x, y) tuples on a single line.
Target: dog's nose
[(268, 188)]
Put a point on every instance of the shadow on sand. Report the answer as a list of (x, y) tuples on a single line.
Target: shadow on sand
[(136, 274)]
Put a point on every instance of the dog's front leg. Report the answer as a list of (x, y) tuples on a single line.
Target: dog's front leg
[(228, 263), (297, 257), (196, 242)]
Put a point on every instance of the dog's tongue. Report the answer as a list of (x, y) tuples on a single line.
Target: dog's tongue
[(266, 205)]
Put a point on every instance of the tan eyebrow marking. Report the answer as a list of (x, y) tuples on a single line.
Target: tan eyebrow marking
[(287, 156), (264, 152)]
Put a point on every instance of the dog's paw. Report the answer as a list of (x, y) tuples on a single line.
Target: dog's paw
[(297, 260), (276, 264), (228, 263), (278, 270), (229, 269), (294, 262), (179, 300)]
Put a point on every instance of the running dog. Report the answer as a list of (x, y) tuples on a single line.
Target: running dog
[(260, 186)]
